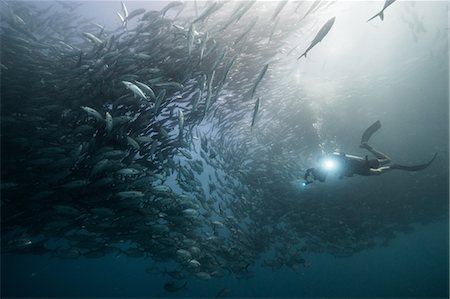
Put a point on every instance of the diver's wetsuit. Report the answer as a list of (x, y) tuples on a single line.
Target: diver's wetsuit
[(356, 165), (351, 165)]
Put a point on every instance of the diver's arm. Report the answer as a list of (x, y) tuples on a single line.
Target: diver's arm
[(313, 174), (307, 177)]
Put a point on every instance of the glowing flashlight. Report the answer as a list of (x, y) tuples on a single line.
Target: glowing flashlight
[(329, 165)]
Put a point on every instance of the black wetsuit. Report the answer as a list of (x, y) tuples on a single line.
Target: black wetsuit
[(348, 165), (356, 165)]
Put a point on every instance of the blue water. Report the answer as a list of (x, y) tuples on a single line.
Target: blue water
[(414, 265), (406, 90)]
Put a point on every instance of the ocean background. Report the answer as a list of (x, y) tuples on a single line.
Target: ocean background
[(414, 265), (385, 71)]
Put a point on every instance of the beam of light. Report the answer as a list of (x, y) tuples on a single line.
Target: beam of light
[(329, 165)]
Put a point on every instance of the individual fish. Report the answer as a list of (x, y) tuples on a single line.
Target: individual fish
[(312, 8), (387, 3), (92, 112), (109, 122), (180, 123), (203, 46), (219, 57), (93, 38), (76, 184), (246, 32), (169, 85), (124, 16), (146, 89), (80, 57), (197, 97), (131, 142), (278, 9), (255, 111), (181, 28), (185, 153), (162, 189), (136, 90), (203, 275), (192, 213), (164, 132), (233, 15), (169, 6), (241, 13), (173, 287), (228, 68), (208, 11), (99, 167), (161, 96), (132, 194), (124, 10), (225, 74), (274, 27), (128, 172), (66, 209), (196, 8), (258, 79), (190, 39), (102, 28), (320, 35), (212, 48), (69, 5), (209, 93), (193, 263), (135, 13), (122, 19), (184, 254), (223, 293)]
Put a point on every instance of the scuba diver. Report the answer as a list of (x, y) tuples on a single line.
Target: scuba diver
[(348, 165)]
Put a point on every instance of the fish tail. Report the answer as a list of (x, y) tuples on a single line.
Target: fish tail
[(380, 14), (249, 95), (291, 50), (304, 54)]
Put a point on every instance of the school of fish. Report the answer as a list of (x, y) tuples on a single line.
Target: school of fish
[(152, 140)]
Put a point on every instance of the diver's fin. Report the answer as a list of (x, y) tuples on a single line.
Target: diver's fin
[(370, 131), (414, 167)]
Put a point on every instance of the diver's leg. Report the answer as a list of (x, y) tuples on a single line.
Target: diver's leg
[(380, 170), (382, 158), (370, 131), (413, 167), (419, 167)]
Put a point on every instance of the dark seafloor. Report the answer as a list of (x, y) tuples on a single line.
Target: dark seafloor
[(134, 162)]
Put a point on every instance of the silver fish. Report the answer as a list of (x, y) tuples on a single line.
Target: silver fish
[(136, 90), (92, 112), (109, 122), (320, 35), (180, 123), (92, 38), (387, 3), (255, 111), (258, 79)]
